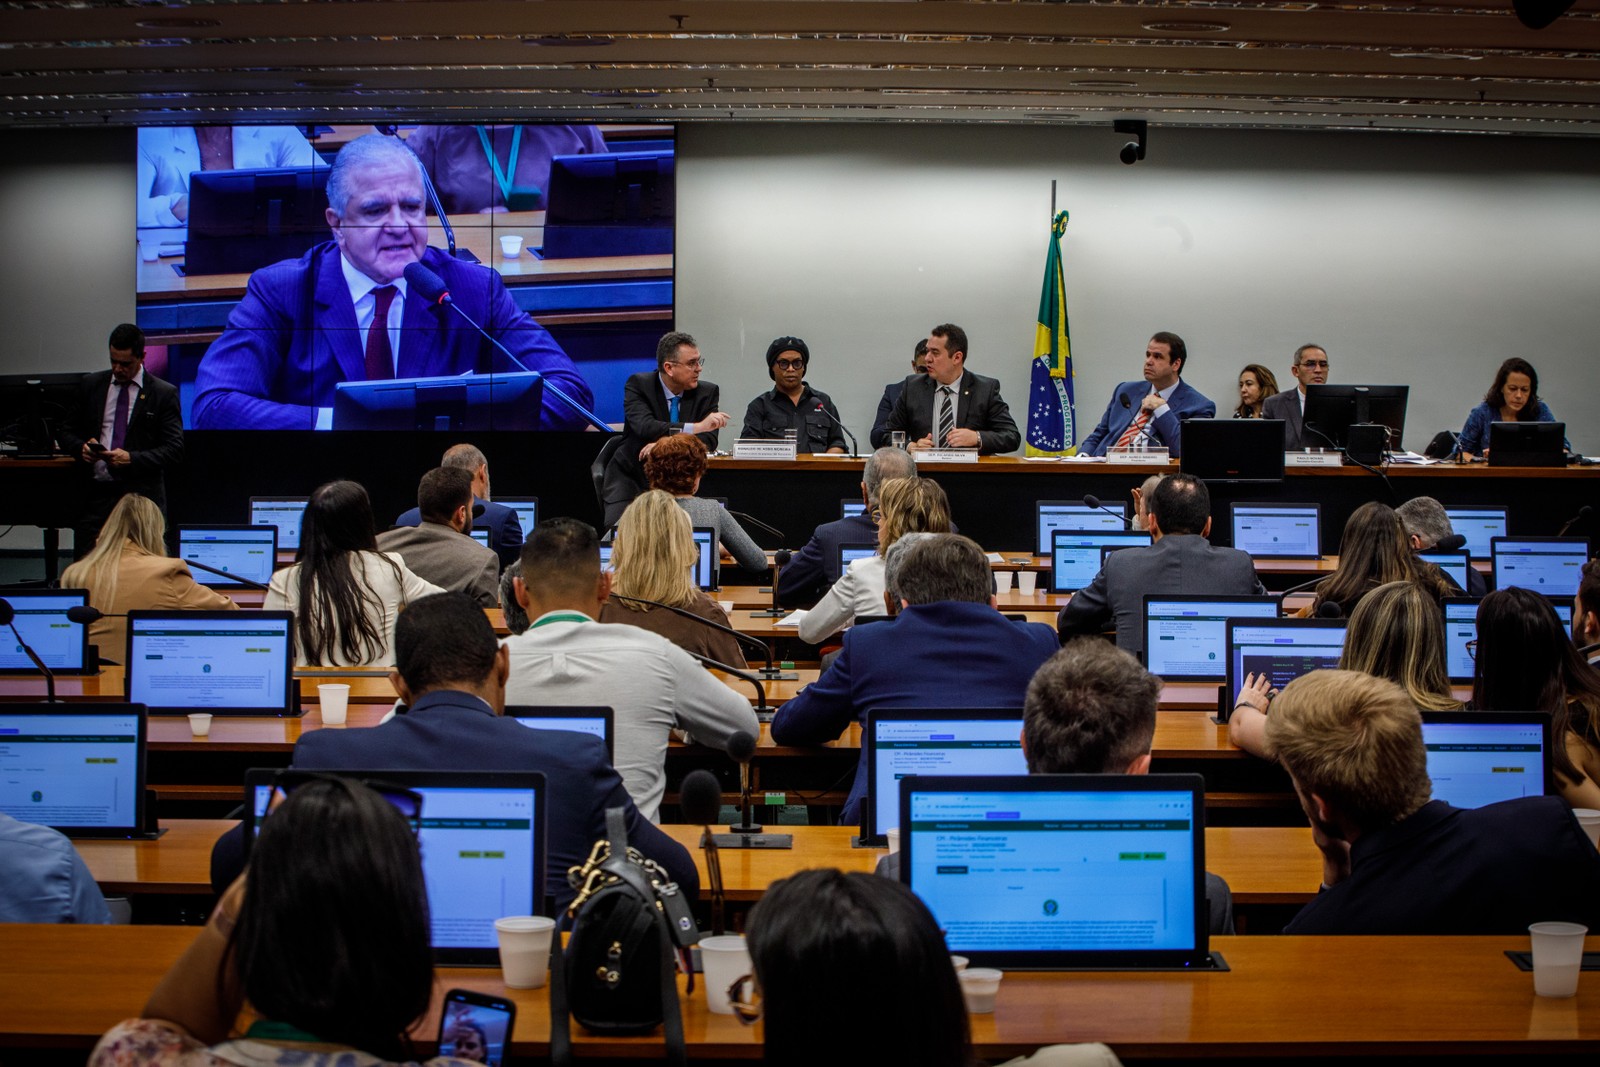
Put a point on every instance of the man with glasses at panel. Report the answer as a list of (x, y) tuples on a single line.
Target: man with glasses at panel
[(1310, 368), (670, 399)]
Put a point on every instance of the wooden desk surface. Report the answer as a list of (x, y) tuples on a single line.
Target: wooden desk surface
[(65, 985)]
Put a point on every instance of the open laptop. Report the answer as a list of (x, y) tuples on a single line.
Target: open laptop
[(224, 662), (1527, 444), (40, 616), (707, 568), (1551, 566), (849, 507), (1483, 757), (482, 836), (1455, 564), (1186, 636), (1461, 626), (1070, 871), (1052, 515), (78, 768), (251, 552), (1281, 649), (481, 536), (284, 512), (598, 721), (527, 509), (898, 742), (1479, 524), (1277, 531), (1075, 555), (850, 551)]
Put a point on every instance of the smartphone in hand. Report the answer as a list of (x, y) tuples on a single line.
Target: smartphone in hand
[(476, 1027)]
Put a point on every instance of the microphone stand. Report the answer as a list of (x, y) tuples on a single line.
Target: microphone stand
[(250, 583), (780, 560), (769, 672), (1318, 580), (744, 676), (855, 449), (758, 524), (8, 615)]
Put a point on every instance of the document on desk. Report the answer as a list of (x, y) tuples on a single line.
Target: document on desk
[(792, 620)]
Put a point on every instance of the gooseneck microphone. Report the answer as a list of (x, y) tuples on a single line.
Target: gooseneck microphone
[(247, 582), (769, 672), (8, 617), (762, 707), (700, 797), (433, 290), (855, 449), (1582, 516), (780, 560), (1092, 501), (751, 520), (742, 748), (1144, 431)]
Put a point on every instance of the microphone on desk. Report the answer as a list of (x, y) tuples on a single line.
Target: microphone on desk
[(1328, 609), (855, 449), (751, 520), (741, 748), (1581, 517), (1092, 501), (433, 290), (433, 197), (1303, 586), (700, 797), (780, 560), (769, 672), (8, 617), (250, 583)]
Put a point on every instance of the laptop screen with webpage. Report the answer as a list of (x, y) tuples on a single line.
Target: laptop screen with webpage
[(527, 509), (1454, 564), (481, 536), (1484, 757), (1550, 566), (705, 568), (597, 722), (284, 512), (1071, 515), (251, 552), (1461, 626), (1186, 637), (1281, 649), (897, 743), (848, 508), (40, 616), (77, 768), (1052, 871), (1278, 531), (224, 662), (1075, 555), (849, 553), (1479, 525)]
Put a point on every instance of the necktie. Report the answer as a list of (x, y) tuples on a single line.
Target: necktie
[(672, 409), (1131, 436), (947, 416), (380, 356), (119, 419)]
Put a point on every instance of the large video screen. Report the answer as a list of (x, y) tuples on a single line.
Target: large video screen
[(404, 277)]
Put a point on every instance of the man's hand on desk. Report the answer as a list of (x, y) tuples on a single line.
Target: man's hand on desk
[(964, 438), (920, 443)]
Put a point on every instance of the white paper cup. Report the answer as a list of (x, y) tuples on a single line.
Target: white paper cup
[(511, 245), (979, 987), (200, 723), (893, 836), (723, 959), (150, 251), (335, 701), (959, 963), (1002, 581), (1589, 819), (524, 949), (726, 605), (1027, 582), (1557, 958)]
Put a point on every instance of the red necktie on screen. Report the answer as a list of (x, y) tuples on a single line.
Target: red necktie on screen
[(119, 418), (380, 357)]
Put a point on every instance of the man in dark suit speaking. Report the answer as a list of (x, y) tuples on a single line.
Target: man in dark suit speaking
[(128, 427), (1149, 413), (950, 407), (344, 312)]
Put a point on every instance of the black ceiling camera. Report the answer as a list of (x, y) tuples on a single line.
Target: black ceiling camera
[(1133, 151)]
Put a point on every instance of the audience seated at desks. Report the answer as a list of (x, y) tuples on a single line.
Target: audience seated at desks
[(1374, 551), (1586, 611), (675, 465), (43, 879), (516, 619), (815, 567), (503, 523), (440, 548), (1426, 524)]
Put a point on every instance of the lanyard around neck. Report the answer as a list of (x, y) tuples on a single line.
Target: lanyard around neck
[(501, 178)]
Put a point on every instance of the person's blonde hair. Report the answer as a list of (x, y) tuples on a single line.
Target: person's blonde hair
[(1355, 741), (911, 505), (1397, 632), (654, 552), (135, 519)]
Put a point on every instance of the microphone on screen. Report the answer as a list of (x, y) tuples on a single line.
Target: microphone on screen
[(700, 797), (8, 617), (1581, 517), (1092, 501)]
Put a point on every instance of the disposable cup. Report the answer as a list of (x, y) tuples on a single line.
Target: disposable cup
[(1589, 819), (959, 963), (524, 949), (979, 987), (335, 701), (897, 438), (723, 960), (893, 834), (511, 245), (200, 723), (1027, 581), (1002, 581), (1557, 957), (149, 251), (726, 605)]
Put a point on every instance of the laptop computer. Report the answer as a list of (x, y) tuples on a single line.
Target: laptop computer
[(1552, 566), (848, 507), (1461, 626), (40, 616), (1455, 564), (284, 512), (1277, 531), (224, 662), (1233, 450), (605, 555), (78, 768), (898, 742), (1527, 444), (251, 552), (1483, 757), (708, 567), (1281, 649), (1052, 515), (1479, 524), (849, 552), (1070, 871), (527, 509), (1075, 556), (480, 536), (599, 722), (482, 835), (1186, 636)]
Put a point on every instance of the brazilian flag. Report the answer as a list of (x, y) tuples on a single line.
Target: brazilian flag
[(1052, 427)]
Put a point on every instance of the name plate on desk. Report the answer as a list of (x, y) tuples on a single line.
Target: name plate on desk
[(763, 448), (1312, 459), (947, 455), (1137, 455)]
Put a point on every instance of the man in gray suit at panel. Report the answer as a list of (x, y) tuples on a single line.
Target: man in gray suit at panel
[(440, 549), (1179, 560), (1310, 368)]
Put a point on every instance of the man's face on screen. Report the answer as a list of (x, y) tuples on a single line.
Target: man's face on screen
[(385, 224)]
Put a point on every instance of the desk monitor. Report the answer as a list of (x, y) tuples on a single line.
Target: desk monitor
[(707, 567), (848, 508), (1331, 410), (500, 401), (33, 407), (1527, 444), (1233, 450), (40, 616), (898, 742), (1186, 636), (240, 220), (850, 551), (527, 509), (284, 512), (78, 768), (1048, 871), (1075, 554), (1461, 632), (1551, 566), (1483, 757), (1277, 531), (599, 722), (1478, 523), (1281, 649), (482, 836), (611, 204), (1055, 515), (480, 536), (1454, 564), (605, 555), (224, 662), (251, 552)]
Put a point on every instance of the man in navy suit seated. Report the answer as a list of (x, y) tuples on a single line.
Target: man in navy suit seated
[(816, 566), (505, 529), (891, 393), (1149, 413)]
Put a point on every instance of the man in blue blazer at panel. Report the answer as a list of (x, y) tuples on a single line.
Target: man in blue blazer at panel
[(505, 528), (950, 407), (306, 324), (1149, 413), (948, 648)]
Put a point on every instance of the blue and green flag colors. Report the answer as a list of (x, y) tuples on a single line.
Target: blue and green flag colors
[(1051, 419)]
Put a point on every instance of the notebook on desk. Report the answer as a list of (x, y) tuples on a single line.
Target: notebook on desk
[(1277, 531), (1479, 524), (1461, 632), (597, 722), (40, 616), (77, 768), (848, 507), (1454, 564), (223, 662), (849, 552), (251, 552), (527, 509), (708, 566), (898, 742), (1484, 757)]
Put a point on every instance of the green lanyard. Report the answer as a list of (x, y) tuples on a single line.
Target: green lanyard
[(267, 1030), (561, 616), (500, 176)]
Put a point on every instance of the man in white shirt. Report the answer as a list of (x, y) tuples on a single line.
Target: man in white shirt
[(1310, 368), (565, 657)]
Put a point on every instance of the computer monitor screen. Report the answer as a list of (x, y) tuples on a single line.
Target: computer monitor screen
[(1278, 531), (527, 509), (1055, 515), (1281, 649), (1454, 564), (224, 662), (1233, 450), (849, 553), (40, 616), (1551, 566), (1075, 554), (79, 769), (610, 204), (284, 512), (705, 568), (251, 552), (847, 508), (481, 536), (605, 555), (1461, 631), (1479, 525), (898, 743), (1331, 410), (1186, 637), (1484, 757), (596, 721)]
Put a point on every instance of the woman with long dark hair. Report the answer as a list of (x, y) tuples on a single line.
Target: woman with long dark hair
[(1256, 384), (1514, 397), (1374, 551)]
